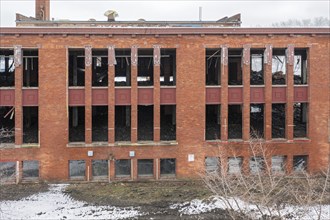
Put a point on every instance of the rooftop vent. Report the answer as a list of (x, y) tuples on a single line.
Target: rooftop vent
[(111, 15)]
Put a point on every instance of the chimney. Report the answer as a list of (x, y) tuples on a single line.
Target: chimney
[(42, 10)]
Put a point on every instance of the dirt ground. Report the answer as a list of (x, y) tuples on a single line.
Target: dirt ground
[(13, 192)]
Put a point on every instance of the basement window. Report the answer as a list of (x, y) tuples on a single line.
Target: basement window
[(235, 165), (257, 165), (167, 67), (99, 123), (145, 123), (30, 125), (7, 68), (300, 67), (7, 124), (235, 76), (300, 163), (7, 171), (212, 126), (100, 168), (257, 120), (257, 67), (278, 120), (145, 67), (145, 168), (76, 67), (123, 123), (212, 164), (77, 169), (99, 68), (235, 121), (167, 167), (30, 169), (123, 67), (279, 67), (123, 168), (30, 68), (300, 119), (278, 164), (212, 66), (77, 124), (167, 122)]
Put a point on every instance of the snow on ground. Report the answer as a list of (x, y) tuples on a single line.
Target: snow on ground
[(54, 204)]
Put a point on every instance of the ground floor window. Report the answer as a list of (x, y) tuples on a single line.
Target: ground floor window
[(7, 171), (300, 163), (77, 169), (235, 165), (100, 168), (30, 169), (278, 164), (167, 167), (123, 168), (212, 164), (145, 168)]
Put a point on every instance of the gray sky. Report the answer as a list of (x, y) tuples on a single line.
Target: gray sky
[(254, 13)]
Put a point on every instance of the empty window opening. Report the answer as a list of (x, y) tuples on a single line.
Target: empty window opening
[(300, 119), (257, 120), (99, 123), (7, 124), (76, 67), (123, 123), (123, 67), (257, 67), (145, 67), (212, 126), (235, 76), (100, 68), (167, 167), (77, 124), (7, 68), (7, 171), (168, 67), (145, 123), (167, 122), (257, 165), (212, 164), (145, 168), (235, 122), (300, 163), (278, 164), (278, 121), (235, 165), (300, 67), (123, 168), (212, 66), (100, 168), (77, 169), (30, 68), (279, 67), (30, 125), (30, 169)]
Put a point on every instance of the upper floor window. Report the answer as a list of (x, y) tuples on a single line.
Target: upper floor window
[(30, 68), (76, 67), (7, 68), (212, 66), (145, 67)]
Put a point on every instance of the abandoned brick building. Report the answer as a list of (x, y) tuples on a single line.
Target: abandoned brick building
[(112, 100)]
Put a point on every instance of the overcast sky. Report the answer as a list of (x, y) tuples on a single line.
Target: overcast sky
[(254, 13)]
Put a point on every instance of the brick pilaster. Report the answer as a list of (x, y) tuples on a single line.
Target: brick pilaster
[(111, 94), (246, 92), (88, 94), (268, 92), (289, 92), (18, 56), (156, 93), (134, 94), (224, 93)]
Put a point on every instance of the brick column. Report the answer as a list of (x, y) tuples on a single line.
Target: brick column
[(134, 94), (289, 92), (18, 58), (224, 93), (111, 93), (88, 94), (157, 93), (246, 92), (268, 55)]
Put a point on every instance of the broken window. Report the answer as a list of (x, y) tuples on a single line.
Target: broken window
[(300, 66), (145, 67), (99, 67), (76, 67), (7, 124), (145, 167), (167, 122), (123, 67), (100, 168), (212, 164), (257, 67), (77, 124), (7, 171), (300, 163), (235, 122), (167, 167), (212, 66), (123, 168), (30, 125), (123, 123), (7, 68), (77, 169), (235, 165), (167, 67), (278, 120), (99, 123), (212, 120), (30, 68), (235, 76), (279, 67), (257, 165), (278, 164), (300, 120), (145, 123), (30, 169), (257, 120)]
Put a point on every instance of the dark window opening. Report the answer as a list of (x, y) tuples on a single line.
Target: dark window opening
[(212, 164), (278, 121), (100, 68), (123, 123), (7, 171), (235, 76), (167, 122), (77, 124), (30, 125), (300, 163), (30, 169), (212, 126), (257, 165), (278, 164), (145, 123), (7, 124), (168, 67), (77, 169), (30, 68), (235, 122), (7, 68), (235, 165), (300, 120), (123, 168), (100, 168), (257, 120), (145, 67), (279, 67), (123, 67), (167, 167), (212, 66), (300, 67), (145, 168), (257, 67), (99, 123), (76, 67)]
